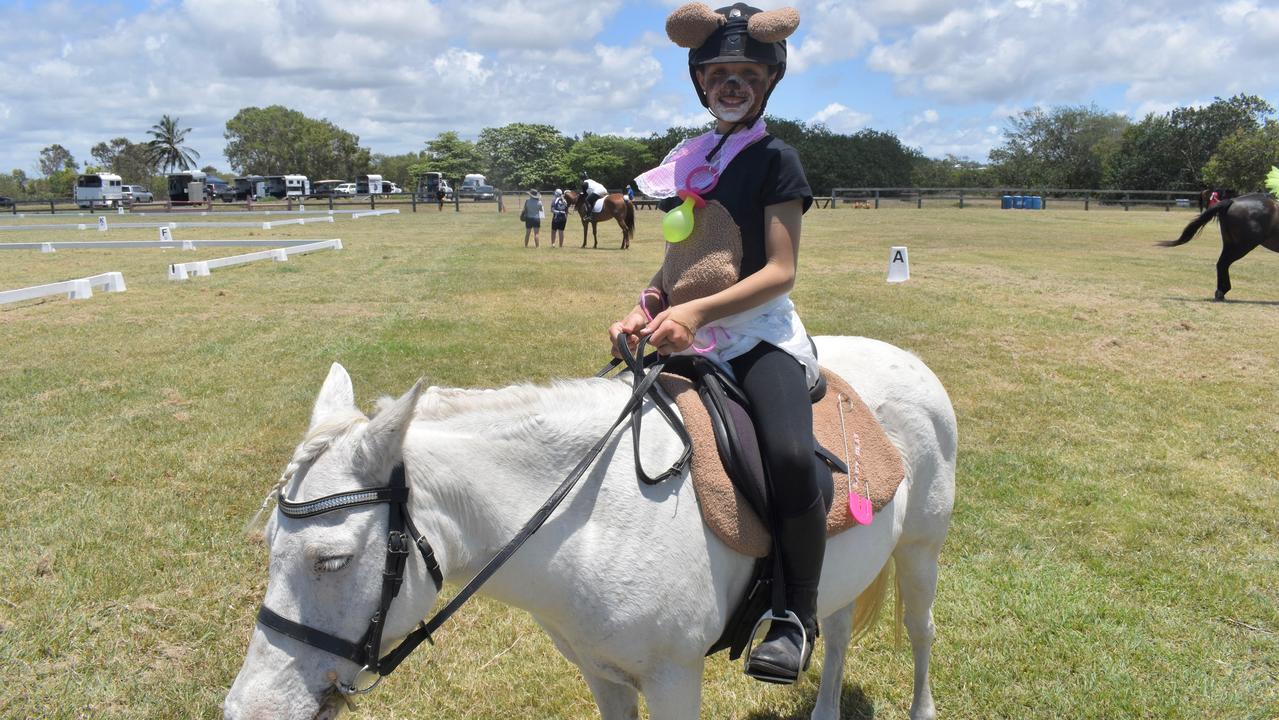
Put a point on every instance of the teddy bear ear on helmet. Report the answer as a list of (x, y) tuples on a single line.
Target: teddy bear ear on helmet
[(773, 25), (689, 25)]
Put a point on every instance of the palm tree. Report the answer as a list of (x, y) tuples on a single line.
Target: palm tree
[(166, 148)]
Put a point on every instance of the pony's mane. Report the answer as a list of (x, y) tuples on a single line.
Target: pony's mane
[(317, 440), (449, 403)]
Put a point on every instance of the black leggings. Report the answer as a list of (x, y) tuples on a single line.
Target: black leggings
[(777, 388)]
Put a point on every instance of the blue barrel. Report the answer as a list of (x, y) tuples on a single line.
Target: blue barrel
[(1037, 203), (1019, 202), (1006, 202)]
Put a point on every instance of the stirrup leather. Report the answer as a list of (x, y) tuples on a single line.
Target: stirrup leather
[(767, 675)]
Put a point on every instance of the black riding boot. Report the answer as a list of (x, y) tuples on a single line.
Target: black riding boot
[(785, 652)]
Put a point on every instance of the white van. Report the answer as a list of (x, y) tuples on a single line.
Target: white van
[(103, 189)]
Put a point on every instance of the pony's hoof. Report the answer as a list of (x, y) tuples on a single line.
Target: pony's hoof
[(1219, 297)]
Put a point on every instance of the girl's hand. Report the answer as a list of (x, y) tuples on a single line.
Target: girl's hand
[(630, 327), (672, 330)]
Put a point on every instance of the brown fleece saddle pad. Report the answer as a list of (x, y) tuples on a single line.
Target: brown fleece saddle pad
[(874, 462)]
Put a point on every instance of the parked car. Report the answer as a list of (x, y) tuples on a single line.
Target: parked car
[(138, 194), (5, 201), (216, 187), (345, 189), (483, 193), (390, 188), (245, 187), (327, 188)]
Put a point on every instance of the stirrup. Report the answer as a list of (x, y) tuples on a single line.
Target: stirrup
[(768, 675)]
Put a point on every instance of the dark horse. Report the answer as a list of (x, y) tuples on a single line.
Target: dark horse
[(1205, 197), (1246, 222), (616, 206)]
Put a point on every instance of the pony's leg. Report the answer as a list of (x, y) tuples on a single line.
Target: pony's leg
[(615, 700), (917, 580), (584, 221), (595, 234), (1230, 252), (675, 691), (837, 629)]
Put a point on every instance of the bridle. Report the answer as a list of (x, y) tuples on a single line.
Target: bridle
[(401, 529), (364, 653)]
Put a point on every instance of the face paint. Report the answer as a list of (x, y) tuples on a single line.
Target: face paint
[(734, 89)]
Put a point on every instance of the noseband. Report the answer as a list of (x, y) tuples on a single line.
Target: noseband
[(364, 653)]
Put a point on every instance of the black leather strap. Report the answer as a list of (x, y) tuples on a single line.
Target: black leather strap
[(315, 638), (423, 633)]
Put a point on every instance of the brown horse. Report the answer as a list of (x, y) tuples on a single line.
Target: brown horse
[(1246, 222), (616, 206)]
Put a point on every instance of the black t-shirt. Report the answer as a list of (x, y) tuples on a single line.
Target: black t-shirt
[(766, 173)]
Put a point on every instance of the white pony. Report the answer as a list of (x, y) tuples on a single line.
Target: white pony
[(624, 577)]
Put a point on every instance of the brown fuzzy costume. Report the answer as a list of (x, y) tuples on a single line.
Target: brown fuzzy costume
[(708, 261), (772, 26), (690, 25)]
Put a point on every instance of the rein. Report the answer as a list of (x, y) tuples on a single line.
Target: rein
[(366, 652)]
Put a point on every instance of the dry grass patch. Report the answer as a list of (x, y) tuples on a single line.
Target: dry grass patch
[(1115, 538)]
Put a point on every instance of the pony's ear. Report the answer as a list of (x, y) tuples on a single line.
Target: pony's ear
[(690, 25), (774, 25), (337, 397), (384, 437)]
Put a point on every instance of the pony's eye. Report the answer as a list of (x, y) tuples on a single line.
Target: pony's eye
[(332, 563)]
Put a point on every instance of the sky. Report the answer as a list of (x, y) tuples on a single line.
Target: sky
[(944, 77)]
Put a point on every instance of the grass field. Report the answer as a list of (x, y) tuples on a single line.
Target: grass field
[(1114, 551)]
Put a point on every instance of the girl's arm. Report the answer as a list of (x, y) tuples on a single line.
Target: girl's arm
[(672, 329)]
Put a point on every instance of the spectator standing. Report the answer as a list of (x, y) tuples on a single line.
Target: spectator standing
[(532, 217), (439, 198), (559, 217), (630, 193)]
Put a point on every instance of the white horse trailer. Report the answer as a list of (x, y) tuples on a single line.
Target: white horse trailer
[(180, 186), (287, 186), (99, 189), (369, 185)]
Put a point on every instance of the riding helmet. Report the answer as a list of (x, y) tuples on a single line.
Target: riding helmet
[(737, 33)]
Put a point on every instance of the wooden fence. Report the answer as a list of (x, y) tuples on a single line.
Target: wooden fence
[(881, 197)]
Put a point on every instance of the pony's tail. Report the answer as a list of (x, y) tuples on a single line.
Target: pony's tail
[(868, 604), (630, 217), (1195, 225)]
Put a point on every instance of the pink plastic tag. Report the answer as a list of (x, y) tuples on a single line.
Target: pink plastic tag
[(860, 508)]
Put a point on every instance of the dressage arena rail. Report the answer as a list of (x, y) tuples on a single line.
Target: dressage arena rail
[(991, 197), (49, 247), (78, 289), (267, 225), (201, 268), (54, 206)]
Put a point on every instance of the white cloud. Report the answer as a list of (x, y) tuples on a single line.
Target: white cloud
[(395, 73), (398, 72), (841, 119), (832, 31)]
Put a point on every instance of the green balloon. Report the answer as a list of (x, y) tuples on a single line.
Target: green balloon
[(678, 223)]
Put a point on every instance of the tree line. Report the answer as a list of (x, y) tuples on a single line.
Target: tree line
[(1228, 143)]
